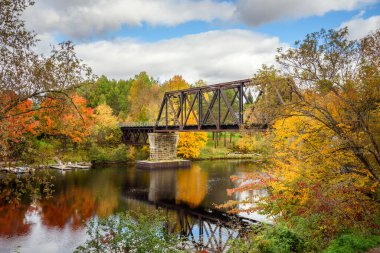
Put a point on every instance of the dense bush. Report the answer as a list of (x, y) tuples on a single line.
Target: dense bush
[(252, 143), (103, 154), (270, 239), (15, 188), (352, 243)]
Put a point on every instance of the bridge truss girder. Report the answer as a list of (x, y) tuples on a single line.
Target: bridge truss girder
[(136, 135), (218, 107)]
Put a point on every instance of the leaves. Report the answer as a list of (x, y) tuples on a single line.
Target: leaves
[(74, 121), (16, 123), (326, 139), (106, 130), (190, 144)]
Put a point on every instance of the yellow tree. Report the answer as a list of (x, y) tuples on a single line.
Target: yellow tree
[(336, 83), (190, 143), (327, 164), (175, 83), (106, 129)]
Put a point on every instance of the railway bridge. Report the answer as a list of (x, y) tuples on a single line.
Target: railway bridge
[(220, 107)]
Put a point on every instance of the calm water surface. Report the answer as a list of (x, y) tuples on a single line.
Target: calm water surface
[(57, 224)]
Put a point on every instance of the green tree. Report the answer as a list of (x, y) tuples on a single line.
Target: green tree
[(111, 92), (144, 99)]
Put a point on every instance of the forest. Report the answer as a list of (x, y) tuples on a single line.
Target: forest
[(322, 149)]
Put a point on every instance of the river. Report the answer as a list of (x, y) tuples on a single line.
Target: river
[(57, 224)]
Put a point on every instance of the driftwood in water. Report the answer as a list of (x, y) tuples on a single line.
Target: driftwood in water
[(69, 165), (18, 170)]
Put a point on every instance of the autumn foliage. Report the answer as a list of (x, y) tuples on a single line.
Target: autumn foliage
[(190, 144), (15, 122), (69, 118), (326, 140), (191, 186)]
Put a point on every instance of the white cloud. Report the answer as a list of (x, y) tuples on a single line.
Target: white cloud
[(45, 43), (80, 19), (360, 27), (214, 56), (87, 17), (256, 12)]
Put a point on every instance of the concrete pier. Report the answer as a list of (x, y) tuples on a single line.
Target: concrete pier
[(163, 152), (163, 146)]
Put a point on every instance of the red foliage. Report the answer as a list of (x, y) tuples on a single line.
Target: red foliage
[(73, 119), (75, 207), (16, 117), (12, 220)]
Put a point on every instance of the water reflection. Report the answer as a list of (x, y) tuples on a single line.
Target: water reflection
[(12, 220), (191, 186), (72, 207), (162, 185), (80, 195)]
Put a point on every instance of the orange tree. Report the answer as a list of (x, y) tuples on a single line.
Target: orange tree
[(16, 123), (73, 121), (28, 76)]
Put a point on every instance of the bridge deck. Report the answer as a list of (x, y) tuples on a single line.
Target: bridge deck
[(138, 135)]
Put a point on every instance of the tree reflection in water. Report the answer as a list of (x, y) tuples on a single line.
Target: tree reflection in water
[(184, 186), (12, 220), (80, 195), (191, 186), (74, 206)]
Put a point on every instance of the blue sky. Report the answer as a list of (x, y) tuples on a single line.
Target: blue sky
[(213, 40)]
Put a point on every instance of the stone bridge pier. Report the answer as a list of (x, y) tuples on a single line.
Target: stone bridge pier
[(163, 152), (163, 146)]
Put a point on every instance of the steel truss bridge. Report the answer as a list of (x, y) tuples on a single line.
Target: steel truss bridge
[(214, 108)]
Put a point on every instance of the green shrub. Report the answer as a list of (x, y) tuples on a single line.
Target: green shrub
[(129, 232), (120, 153), (14, 189), (39, 152), (79, 155), (270, 239), (106, 154), (353, 243)]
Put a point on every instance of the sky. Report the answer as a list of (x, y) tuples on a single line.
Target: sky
[(213, 40)]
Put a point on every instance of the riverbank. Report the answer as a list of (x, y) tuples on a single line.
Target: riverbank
[(219, 146), (224, 154), (225, 147)]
